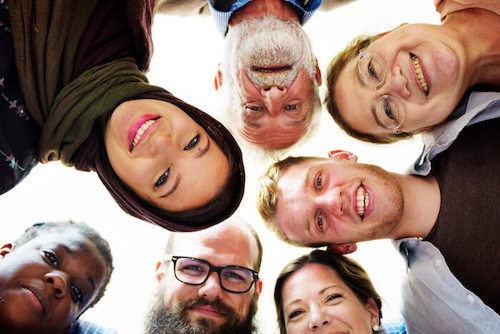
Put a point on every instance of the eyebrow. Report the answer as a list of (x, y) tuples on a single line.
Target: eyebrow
[(307, 219), (374, 113), (319, 293), (372, 108), (91, 281), (174, 187), (67, 249), (300, 121), (204, 150)]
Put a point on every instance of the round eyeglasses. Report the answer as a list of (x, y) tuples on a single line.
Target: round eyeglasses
[(193, 271), (373, 72)]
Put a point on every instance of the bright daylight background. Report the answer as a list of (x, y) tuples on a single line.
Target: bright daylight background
[(187, 51)]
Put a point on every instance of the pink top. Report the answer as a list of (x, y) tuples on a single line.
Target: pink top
[(445, 7)]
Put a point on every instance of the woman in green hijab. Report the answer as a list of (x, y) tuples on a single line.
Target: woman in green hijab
[(81, 69)]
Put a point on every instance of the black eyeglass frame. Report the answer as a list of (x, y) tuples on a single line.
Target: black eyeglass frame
[(218, 270)]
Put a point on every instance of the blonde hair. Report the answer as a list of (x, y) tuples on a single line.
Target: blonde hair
[(267, 197)]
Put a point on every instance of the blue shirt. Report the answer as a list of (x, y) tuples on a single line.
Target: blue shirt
[(87, 327), (434, 301), (394, 326), (222, 18)]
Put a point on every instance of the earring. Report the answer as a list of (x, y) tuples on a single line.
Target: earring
[(376, 327)]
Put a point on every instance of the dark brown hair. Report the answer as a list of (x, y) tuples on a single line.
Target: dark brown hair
[(92, 156), (349, 271)]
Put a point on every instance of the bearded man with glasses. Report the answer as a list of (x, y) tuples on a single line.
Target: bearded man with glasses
[(208, 281)]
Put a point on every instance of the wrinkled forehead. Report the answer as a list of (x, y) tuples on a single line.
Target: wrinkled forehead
[(275, 133)]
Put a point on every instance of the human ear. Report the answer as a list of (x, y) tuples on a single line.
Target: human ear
[(259, 287), (318, 73), (342, 249), (6, 249), (160, 270), (389, 31), (218, 78), (372, 307), (343, 155)]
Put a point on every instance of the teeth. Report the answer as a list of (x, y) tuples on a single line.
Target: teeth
[(420, 75), (140, 131), (362, 201)]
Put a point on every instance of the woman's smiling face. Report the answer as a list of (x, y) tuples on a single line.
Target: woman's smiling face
[(164, 156), (423, 72), (316, 300)]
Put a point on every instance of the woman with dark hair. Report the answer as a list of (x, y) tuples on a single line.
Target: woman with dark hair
[(323, 292), (79, 68)]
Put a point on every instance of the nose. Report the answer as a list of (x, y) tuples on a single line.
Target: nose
[(159, 143), (273, 96), (318, 319), (58, 282), (398, 84), (331, 201), (211, 289)]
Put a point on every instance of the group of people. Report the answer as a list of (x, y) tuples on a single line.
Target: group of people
[(74, 90)]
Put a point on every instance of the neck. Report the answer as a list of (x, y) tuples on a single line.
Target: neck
[(257, 8), (422, 201), (480, 44)]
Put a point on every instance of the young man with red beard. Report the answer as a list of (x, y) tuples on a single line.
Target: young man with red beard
[(208, 282), (445, 224)]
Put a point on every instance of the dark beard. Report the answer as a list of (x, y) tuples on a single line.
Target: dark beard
[(173, 320)]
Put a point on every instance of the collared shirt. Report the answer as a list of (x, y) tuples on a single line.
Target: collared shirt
[(434, 301), (222, 17), (480, 106), (87, 327)]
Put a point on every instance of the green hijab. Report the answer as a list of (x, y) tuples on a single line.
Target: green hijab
[(46, 36)]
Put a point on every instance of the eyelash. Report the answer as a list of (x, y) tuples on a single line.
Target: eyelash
[(333, 297), (163, 179), (320, 222), (319, 182), (294, 314), (192, 143), (51, 258)]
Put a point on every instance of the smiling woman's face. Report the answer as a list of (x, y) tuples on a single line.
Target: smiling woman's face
[(164, 156), (424, 73), (316, 300)]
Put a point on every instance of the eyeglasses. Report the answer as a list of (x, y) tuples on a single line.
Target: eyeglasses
[(193, 271), (373, 72)]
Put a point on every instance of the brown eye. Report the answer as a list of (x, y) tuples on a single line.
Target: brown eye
[(192, 143)]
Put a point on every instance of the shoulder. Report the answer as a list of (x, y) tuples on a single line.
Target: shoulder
[(183, 7)]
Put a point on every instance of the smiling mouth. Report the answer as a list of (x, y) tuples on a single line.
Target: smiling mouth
[(208, 311), (140, 132), (420, 74), (362, 201)]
